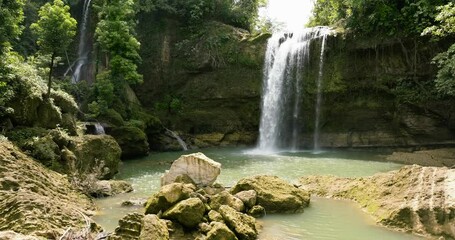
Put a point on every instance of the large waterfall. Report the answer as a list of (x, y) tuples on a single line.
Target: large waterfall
[(83, 50), (286, 62)]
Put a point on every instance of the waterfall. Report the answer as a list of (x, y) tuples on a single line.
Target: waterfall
[(99, 129), (177, 137), (286, 58), (317, 126), (83, 50)]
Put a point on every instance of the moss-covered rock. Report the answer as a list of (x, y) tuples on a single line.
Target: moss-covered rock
[(168, 196), (219, 231), (243, 225), (153, 228), (98, 154), (35, 200), (275, 194), (132, 141), (187, 212), (225, 198)]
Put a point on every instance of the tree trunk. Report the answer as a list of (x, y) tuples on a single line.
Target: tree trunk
[(49, 83)]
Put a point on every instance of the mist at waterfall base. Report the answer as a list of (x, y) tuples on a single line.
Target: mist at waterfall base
[(286, 64)]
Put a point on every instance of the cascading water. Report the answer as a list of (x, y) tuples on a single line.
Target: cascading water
[(178, 138), (83, 50), (317, 126), (287, 57)]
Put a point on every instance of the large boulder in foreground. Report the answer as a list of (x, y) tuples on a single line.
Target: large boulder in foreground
[(201, 169), (153, 228), (35, 200), (274, 194), (415, 199)]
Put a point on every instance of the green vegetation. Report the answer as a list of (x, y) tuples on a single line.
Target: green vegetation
[(372, 18), (116, 38), (11, 15), (445, 80), (55, 30), (238, 13)]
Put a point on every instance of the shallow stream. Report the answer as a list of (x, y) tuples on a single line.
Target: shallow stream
[(324, 219)]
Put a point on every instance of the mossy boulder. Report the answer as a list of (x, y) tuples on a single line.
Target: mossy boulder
[(153, 228), (219, 231), (188, 212), (243, 225), (225, 198), (274, 194), (168, 196), (96, 152), (132, 141)]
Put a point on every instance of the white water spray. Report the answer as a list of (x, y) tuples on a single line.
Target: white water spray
[(286, 59)]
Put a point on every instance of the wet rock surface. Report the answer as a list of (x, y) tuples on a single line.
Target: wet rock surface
[(414, 198)]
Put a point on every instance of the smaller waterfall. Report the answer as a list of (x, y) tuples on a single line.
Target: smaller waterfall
[(177, 137), (83, 50), (99, 129), (317, 127)]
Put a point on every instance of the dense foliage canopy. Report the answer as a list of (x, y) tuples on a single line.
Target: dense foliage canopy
[(445, 80), (239, 13), (373, 18), (11, 15)]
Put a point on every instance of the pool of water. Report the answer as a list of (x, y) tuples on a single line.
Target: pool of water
[(324, 219)]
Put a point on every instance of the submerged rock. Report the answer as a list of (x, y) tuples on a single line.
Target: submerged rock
[(414, 198), (107, 188), (35, 200), (274, 194), (201, 169)]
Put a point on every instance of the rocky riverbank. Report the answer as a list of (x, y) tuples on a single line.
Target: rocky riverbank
[(443, 157), (413, 199), (37, 201)]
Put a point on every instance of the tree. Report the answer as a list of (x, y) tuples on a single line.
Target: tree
[(445, 80), (11, 15), (116, 38), (55, 30)]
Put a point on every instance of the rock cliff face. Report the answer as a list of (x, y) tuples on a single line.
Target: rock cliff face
[(375, 93), (205, 84), (35, 200), (416, 199)]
